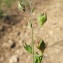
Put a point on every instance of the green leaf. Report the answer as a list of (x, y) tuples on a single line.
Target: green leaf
[(37, 58), (42, 18), (28, 48), (41, 46)]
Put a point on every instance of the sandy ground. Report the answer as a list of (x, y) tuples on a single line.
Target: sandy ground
[(15, 31)]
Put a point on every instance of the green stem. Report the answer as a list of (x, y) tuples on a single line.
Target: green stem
[(32, 31), (32, 44)]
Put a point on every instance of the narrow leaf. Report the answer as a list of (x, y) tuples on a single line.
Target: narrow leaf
[(28, 48)]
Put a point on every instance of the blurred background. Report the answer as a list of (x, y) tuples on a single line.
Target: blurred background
[(15, 31)]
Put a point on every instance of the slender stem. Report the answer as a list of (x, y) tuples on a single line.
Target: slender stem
[(32, 31), (32, 44)]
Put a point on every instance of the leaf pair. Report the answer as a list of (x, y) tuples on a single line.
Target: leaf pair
[(37, 57), (28, 48)]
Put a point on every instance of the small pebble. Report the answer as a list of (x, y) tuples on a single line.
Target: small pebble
[(18, 59), (14, 59), (3, 29), (18, 33), (13, 45)]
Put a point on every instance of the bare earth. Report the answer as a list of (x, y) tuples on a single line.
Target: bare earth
[(15, 31)]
